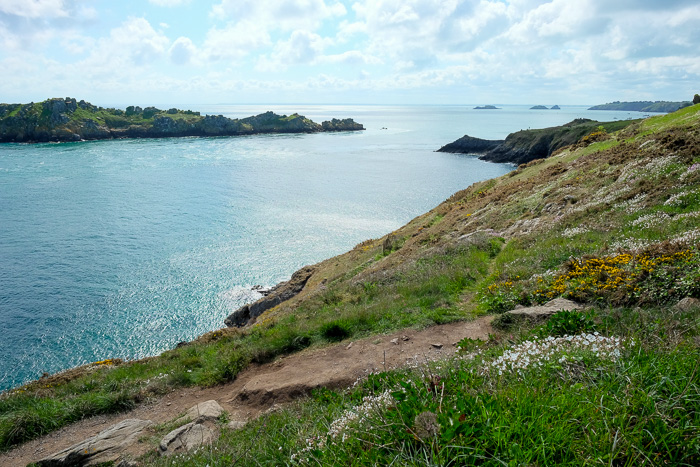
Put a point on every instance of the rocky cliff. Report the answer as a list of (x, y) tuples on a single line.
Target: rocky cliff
[(63, 120), (527, 145)]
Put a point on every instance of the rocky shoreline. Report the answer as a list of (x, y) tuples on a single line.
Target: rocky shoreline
[(518, 148), (271, 297), (524, 146), (69, 120)]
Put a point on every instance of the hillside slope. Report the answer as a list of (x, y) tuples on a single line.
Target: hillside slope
[(612, 225)]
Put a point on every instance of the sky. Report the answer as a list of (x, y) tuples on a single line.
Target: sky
[(180, 52)]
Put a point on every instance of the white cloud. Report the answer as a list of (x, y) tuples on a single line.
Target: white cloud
[(503, 47), (419, 33), (75, 43), (134, 44), (351, 57), (168, 3), (183, 51), (30, 25), (234, 41), (302, 47), (285, 15), (34, 8)]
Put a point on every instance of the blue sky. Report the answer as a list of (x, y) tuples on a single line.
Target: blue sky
[(180, 52)]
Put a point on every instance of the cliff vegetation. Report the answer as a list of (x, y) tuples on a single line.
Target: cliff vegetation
[(610, 223), (527, 145), (65, 120)]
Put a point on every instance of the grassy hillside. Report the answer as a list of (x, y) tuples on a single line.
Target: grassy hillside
[(611, 221)]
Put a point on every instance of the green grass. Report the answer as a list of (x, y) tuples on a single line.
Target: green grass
[(639, 409), (590, 214), (428, 294)]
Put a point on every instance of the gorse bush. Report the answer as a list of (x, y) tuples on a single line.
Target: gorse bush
[(650, 277), (659, 274)]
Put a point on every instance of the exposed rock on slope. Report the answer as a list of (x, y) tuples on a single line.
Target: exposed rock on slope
[(527, 145), (470, 145), (64, 120), (280, 293), (102, 448)]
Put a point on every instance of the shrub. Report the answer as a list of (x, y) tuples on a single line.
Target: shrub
[(568, 322), (335, 331), (654, 276)]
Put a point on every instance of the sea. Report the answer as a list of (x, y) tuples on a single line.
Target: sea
[(122, 249)]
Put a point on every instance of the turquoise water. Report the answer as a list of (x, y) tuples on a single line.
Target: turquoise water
[(124, 248)]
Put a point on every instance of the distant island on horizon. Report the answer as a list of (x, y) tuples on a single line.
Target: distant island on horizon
[(70, 120), (486, 107), (643, 106)]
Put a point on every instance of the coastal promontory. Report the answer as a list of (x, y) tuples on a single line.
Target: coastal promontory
[(527, 145), (66, 119), (643, 106)]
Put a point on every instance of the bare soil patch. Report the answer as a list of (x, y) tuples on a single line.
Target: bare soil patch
[(260, 387)]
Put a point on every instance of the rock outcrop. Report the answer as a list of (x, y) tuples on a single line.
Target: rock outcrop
[(346, 124), (203, 429), (186, 438), (548, 309), (527, 145), (470, 145), (278, 294), (207, 410), (687, 304), (106, 446), (66, 120)]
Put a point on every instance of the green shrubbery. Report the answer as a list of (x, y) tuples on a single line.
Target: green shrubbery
[(627, 396), (657, 275)]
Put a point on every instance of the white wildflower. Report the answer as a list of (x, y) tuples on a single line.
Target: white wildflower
[(534, 353)]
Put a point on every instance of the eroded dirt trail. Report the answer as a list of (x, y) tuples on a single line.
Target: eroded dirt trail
[(260, 387)]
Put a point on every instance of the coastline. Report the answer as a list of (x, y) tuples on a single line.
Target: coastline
[(67, 120)]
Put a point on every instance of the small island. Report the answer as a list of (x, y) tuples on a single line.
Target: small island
[(486, 107), (643, 106), (66, 120), (544, 107)]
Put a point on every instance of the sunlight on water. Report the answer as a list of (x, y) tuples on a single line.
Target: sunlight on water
[(125, 248)]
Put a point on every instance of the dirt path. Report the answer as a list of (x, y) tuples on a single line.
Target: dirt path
[(260, 387)]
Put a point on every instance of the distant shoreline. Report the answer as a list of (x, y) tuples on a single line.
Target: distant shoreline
[(643, 106), (68, 120)]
